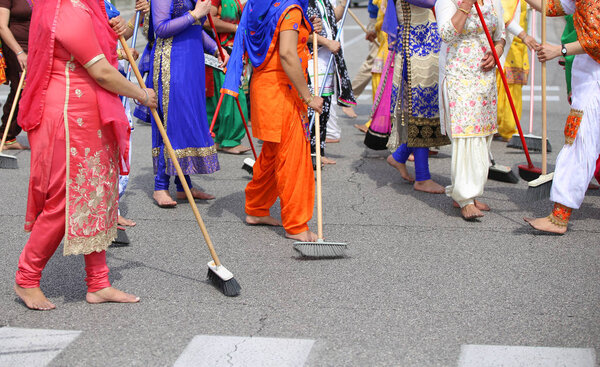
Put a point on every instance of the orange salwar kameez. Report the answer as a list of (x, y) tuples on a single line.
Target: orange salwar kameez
[(284, 167)]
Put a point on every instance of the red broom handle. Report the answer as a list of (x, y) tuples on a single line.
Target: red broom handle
[(505, 82), (212, 25), (215, 115), (246, 127)]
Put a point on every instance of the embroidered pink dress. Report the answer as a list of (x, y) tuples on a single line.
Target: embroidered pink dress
[(71, 122)]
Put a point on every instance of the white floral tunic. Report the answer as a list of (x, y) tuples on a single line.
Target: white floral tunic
[(469, 93)]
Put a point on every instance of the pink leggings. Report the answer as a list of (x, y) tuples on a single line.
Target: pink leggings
[(49, 230)]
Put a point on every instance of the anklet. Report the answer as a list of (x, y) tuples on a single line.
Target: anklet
[(560, 215)]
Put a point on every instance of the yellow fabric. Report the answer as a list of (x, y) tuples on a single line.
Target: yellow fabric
[(506, 121), (510, 8)]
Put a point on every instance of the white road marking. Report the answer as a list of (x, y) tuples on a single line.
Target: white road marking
[(536, 98), (216, 351), (354, 40), (538, 88), (518, 356), (32, 347)]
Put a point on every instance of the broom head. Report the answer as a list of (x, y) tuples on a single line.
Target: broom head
[(223, 280), (534, 143), (248, 165), (8, 161), (539, 188), (501, 173), (529, 173), (122, 238), (321, 249)]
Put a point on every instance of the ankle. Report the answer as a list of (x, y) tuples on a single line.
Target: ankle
[(560, 215)]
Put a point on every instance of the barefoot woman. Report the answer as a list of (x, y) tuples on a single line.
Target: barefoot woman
[(274, 37), (79, 136)]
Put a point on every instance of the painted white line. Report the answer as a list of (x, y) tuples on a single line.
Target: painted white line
[(539, 98), (364, 97), (353, 27), (32, 347), (217, 351), (517, 356), (549, 88), (354, 40)]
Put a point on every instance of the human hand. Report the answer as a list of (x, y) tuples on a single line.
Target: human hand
[(488, 62), (150, 99), (22, 58), (202, 8), (371, 36), (334, 46), (316, 103), (143, 6), (547, 52), (530, 42), (224, 60), (134, 53), (118, 25), (317, 24)]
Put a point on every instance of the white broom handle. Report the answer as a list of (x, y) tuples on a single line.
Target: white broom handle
[(532, 79), (318, 139)]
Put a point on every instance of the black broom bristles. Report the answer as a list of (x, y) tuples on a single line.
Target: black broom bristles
[(8, 161), (321, 249), (248, 165), (539, 188), (230, 288), (534, 143)]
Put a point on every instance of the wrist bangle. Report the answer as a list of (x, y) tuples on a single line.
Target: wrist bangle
[(20, 52), (308, 100), (464, 10), (130, 25), (195, 19), (137, 101)]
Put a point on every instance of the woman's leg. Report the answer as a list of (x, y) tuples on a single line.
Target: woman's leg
[(99, 289), (196, 193), (423, 181), (398, 161), (161, 183), (261, 192)]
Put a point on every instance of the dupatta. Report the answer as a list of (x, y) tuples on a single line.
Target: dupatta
[(42, 37)]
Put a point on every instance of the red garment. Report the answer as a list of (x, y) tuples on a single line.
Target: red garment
[(597, 173), (284, 167)]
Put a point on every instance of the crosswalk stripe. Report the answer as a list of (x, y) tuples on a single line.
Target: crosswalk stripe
[(538, 88), (32, 347), (217, 351), (519, 356)]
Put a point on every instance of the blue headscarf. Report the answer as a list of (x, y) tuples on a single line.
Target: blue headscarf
[(254, 36), (111, 11)]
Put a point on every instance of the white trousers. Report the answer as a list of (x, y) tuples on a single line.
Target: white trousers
[(333, 129), (470, 165)]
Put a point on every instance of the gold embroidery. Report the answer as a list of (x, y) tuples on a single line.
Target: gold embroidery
[(572, 125), (196, 152), (80, 121), (99, 134), (155, 152), (94, 60), (67, 143), (73, 152), (87, 245), (162, 67)]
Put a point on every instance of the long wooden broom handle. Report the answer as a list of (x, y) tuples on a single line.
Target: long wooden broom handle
[(12, 110), (360, 24), (532, 78), (173, 157), (318, 139), (505, 82), (544, 121)]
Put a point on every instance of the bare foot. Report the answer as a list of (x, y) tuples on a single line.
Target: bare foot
[(481, 206), (545, 225), (363, 128), (401, 167), (470, 212), (238, 149), (349, 111), (110, 294), (125, 222), (332, 141), (15, 146), (196, 193), (268, 220), (306, 236), (163, 199), (429, 186), (326, 160), (411, 158), (34, 298)]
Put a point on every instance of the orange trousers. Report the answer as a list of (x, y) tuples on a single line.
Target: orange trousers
[(284, 170)]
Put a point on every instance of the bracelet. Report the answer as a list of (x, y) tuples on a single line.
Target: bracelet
[(20, 52), (309, 99), (195, 19), (137, 102), (464, 10), (130, 25)]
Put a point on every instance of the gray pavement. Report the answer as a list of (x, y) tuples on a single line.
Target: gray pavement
[(420, 287)]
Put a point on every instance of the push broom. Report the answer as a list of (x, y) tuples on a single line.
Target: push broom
[(540, 187), (248, 162), (218, 275), (9, 161), (534, 142), (527, 172), (319, 249)]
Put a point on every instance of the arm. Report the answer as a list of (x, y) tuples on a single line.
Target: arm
[(499, 38), (451, 19), (288, 55), (332, 45), (221, 25), (166, 27), (547, 52), (536, 4), (339, 10), (9, 39)]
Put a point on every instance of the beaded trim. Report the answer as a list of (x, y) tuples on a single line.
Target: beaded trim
[(572, 125), (560, 215)]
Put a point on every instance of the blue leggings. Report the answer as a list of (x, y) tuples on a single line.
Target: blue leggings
[(421, 160), (162, 180)]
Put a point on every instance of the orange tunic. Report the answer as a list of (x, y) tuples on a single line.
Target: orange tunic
[(284, 167)]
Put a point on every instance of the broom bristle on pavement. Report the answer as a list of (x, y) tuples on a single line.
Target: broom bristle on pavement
[(529, 173), (321, 249), (8, 161), (539, 188), (122, 239), (534, 143), (248, 165), (223, 280), (502, 173)]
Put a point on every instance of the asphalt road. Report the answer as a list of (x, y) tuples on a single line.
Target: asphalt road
[(420, 287)]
